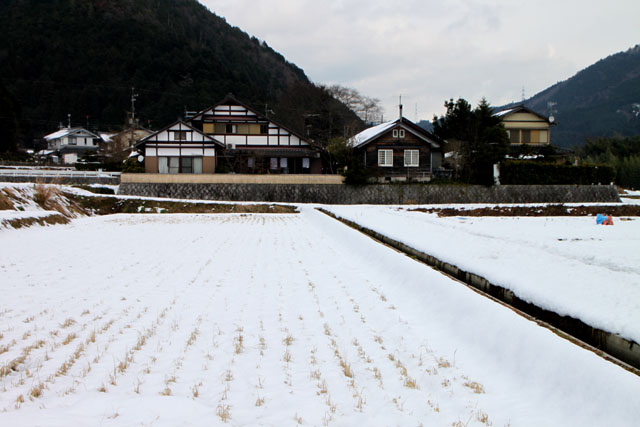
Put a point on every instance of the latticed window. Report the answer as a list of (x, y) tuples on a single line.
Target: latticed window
[(385, 157), (411, 158)]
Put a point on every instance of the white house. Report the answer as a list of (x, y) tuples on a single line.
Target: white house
[(179, 148), (255, 143), (71, 143)]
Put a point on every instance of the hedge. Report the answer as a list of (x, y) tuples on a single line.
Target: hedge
[(516, 172)]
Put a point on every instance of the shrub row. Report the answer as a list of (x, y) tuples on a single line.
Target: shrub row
[(516, 172)]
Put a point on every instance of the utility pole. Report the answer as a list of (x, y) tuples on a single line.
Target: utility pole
[(134, 96)]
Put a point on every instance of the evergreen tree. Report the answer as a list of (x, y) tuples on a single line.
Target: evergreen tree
[(479, 136)]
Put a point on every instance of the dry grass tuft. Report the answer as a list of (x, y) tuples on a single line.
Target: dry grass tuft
[(476, 387), (68, 322), (260, 401), (224, 412), (36, 390), (45, 195), (72, 336)]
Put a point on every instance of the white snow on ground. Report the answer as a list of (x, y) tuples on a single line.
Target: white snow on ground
[(568, 265), (271, 320)]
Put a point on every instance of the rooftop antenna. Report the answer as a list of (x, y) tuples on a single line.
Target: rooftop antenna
[(400, 107), (523, 97), (134, 96), (69, 120), (551, 110)]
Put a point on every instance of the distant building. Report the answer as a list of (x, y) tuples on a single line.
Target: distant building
[(526, 127), (118, 146), (69, 144), (399, 151)]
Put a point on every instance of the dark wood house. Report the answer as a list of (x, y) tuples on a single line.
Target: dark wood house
[(399, 151)]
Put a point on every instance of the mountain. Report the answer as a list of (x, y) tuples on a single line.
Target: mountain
[(601, 100), (83, 57)]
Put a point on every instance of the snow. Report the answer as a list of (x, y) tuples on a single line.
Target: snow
[(372, 132), (60, 133), (568, 265), (184, 319)]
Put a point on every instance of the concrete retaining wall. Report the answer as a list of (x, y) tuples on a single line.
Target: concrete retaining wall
[(624, 350), (373, 194)]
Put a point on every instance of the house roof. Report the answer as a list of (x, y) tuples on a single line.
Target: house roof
[(187, 125), (372, 133), (68, 131), (519, 109), (229, 99)]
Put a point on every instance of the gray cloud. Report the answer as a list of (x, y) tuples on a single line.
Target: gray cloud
[(430, 51)]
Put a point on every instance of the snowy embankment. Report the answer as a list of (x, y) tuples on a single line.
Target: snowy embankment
[(271, 320), (568, 265)]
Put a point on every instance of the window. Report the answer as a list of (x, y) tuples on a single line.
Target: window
[(385, 157), (264, 129), (283, 162), (208, 128), (526, 136), (229, 128), (395, 133), (401, 133), (251, 162), (273, 163), (174, 164), (305, 163), (180, 135), (514, 136), (186, 164), (163, 165), (197, 164), (72, 140), (180, 164), (412, 158)]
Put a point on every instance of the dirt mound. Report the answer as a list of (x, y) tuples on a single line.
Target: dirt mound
[(549, 210)]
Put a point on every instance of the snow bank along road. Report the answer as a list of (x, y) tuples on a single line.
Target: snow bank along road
[(271, 320)]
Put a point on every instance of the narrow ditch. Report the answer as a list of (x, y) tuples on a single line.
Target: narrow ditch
[(613, 347)]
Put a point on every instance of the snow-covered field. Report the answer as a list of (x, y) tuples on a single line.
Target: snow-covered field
[(568, 265), (272, 320)]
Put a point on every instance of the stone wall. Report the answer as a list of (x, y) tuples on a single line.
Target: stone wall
[(376, 194)]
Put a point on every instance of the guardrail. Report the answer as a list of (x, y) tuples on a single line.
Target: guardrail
[(43, 173)]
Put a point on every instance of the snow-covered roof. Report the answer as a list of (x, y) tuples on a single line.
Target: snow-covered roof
[(67, 131), (106, 137), (503, 112), (368, 134)]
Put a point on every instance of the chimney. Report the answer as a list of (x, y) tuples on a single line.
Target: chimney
[(400, 108)]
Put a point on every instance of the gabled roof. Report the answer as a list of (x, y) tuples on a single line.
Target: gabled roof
[(188, 126), (520, 109), (69, 131), (229, 99), (372, 133)]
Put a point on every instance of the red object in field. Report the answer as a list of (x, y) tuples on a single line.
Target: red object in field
[(608, 221)]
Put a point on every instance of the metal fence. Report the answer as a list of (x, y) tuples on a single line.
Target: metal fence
[(57, 173)]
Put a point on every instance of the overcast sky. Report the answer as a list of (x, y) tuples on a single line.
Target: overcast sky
[(430, 51)]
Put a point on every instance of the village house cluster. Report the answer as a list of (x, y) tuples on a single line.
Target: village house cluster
[(232, 137)]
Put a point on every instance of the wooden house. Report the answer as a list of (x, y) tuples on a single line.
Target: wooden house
[(526, 127), (179, 148), (255, 143), (399, 151)]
